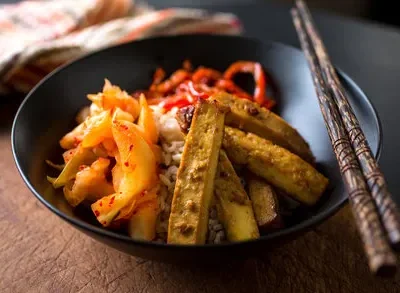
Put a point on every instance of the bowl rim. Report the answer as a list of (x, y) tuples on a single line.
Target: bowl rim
[(99, 231)]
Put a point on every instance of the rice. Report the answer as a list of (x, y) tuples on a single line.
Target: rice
[(172, 144)]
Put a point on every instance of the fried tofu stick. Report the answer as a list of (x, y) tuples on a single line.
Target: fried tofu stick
[(251, 117), (234, 208), (275, 164), (265, 203), (194, 187)]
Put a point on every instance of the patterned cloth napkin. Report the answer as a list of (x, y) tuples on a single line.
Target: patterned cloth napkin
[(38, 36)]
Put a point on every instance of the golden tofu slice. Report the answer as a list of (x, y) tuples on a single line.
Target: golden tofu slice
[(195, 178), (250, 117), (275, 164), (234, 208), (265, 203)]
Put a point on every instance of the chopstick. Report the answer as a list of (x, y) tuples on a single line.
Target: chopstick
[(387, 209), (381, 259)]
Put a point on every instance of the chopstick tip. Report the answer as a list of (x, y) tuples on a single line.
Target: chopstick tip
[(386, 271), (394, 237)]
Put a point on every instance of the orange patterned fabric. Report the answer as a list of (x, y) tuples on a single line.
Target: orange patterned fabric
[(38, 36)]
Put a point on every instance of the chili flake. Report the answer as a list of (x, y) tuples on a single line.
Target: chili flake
[(112, 200)]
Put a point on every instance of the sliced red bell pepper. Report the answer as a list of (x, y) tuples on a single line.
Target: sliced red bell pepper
[(158, 76), (259, 77), (232, 88), (170, 84), (179, 101), (206, 75)]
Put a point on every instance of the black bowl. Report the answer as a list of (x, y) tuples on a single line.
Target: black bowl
[(48, 112)]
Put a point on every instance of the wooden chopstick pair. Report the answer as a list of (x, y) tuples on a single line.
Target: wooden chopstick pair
[(376, 214)]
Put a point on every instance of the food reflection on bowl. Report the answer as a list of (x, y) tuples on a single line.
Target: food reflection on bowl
[(277, 203)]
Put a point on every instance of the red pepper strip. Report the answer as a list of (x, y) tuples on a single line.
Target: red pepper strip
[(182, 88), (170, 84), (176, 101), (207, 89), (206, 75), (195, 93), (158, 76), (258, 73), (232, 88), (188, 87), (187, 65)]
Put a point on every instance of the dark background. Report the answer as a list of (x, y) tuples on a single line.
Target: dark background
[(383, 11)]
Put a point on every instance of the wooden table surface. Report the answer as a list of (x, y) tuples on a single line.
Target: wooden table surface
[(41, 253)]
